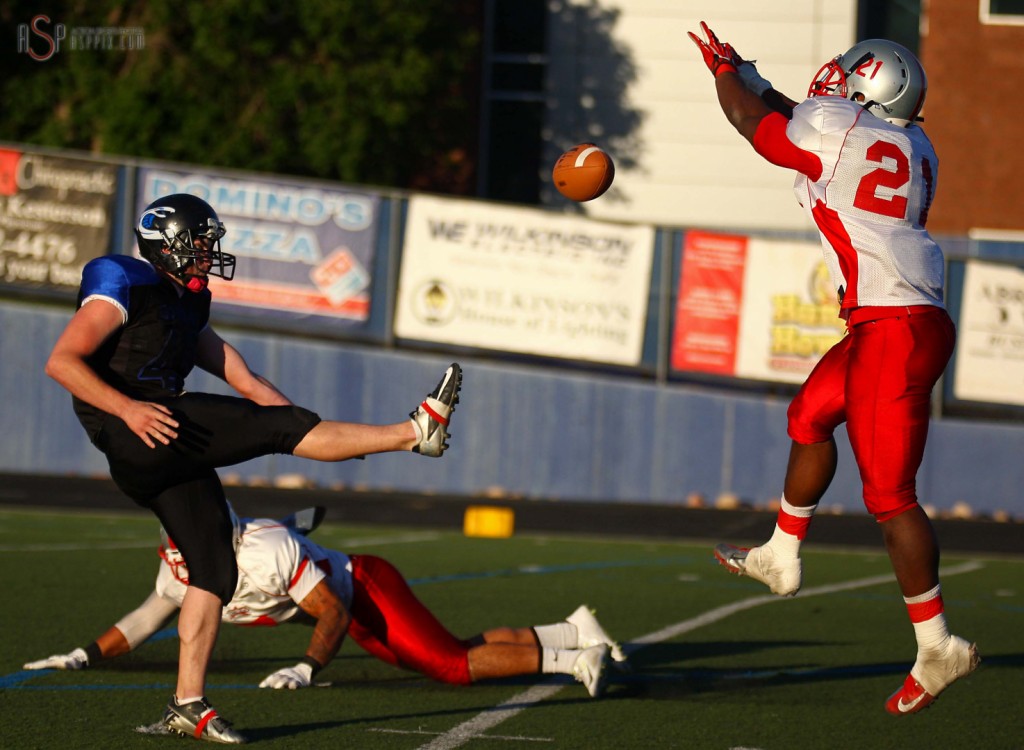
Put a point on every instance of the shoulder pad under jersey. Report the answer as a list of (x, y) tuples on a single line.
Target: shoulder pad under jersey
[(112, 276)]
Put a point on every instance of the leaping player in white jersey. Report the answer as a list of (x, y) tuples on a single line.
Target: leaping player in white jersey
[(284, 577), (866, 176)]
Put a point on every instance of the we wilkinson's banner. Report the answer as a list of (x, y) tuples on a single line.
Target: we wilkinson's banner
[(55, 216), (520, 280)]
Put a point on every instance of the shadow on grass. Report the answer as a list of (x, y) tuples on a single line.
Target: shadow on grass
[(255, 734), (659, 671)]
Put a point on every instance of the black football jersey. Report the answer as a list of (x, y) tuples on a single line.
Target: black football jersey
[(150, 356)]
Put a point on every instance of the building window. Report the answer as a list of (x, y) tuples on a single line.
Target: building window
[(897, 20), (1008, 12), (515, 66)]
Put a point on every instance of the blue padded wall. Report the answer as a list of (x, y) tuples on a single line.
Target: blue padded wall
[(526, 431)]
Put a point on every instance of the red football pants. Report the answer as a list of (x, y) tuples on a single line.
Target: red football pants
[(879, 380), (390, 623)]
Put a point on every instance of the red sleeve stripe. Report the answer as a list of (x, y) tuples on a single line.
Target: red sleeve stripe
[(771, 142), (302, 567)]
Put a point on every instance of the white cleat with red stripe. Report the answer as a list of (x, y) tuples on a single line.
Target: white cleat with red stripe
[(431, 418), (200, 720)]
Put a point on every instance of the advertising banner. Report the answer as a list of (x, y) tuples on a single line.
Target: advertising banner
[(753, 308), (520, 280), (990, 335), (708, 307), (304, 252), (55, 216)]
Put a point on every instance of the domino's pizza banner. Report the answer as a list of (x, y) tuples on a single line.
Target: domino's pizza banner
[(989, 363), (525, 281), (753, 308), (55, 216), (305, 253)]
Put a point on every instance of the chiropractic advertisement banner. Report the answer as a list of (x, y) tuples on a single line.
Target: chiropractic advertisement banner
[(305, 252), (521, 280), (55, 216), (753, 308)]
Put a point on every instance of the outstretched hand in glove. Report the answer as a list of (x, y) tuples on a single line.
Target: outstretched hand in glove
[(77, 659), (719, 57)]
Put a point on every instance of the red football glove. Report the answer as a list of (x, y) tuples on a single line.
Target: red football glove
[(719, 57), (747, 70)]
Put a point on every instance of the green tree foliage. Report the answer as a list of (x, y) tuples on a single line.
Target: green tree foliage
[(380, 92)]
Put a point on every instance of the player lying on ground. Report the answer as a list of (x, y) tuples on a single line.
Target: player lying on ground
[(285, 577)]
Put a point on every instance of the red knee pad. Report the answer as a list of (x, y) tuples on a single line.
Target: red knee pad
[(802, 427)]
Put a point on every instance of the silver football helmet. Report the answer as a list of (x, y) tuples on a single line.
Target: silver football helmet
[(887, 76)]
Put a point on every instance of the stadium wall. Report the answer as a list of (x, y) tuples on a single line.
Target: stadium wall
[(521, 431)]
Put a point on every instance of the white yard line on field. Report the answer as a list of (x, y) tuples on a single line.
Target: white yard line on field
[(490, 718), (518, 738), (480, 723)]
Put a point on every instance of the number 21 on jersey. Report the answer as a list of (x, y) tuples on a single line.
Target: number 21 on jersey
[(893, 174)]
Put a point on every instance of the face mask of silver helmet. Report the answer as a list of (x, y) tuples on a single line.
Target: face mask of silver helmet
[(167, 233), (887, 75)]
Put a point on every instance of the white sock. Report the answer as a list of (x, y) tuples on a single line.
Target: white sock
[(559, 635), (932, 634), (419, 432), (183, 701), (558, 660)]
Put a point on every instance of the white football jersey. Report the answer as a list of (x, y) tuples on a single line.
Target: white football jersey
[(277, 568), (870, 203)]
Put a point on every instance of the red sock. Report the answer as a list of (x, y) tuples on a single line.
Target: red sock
[(794, 520), (790, 529), (926, 606)]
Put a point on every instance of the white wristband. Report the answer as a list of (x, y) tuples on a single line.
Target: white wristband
[(752, 79), (305, 670)]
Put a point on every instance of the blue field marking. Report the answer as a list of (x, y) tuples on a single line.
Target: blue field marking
[(14, 680), (163, 635)]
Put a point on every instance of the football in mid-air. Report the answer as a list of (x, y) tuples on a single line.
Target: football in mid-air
[(583, 173)]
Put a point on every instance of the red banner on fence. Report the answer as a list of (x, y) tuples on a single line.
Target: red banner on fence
[(708, 311)]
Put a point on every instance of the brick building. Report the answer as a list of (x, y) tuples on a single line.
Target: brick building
[(975, 114)]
